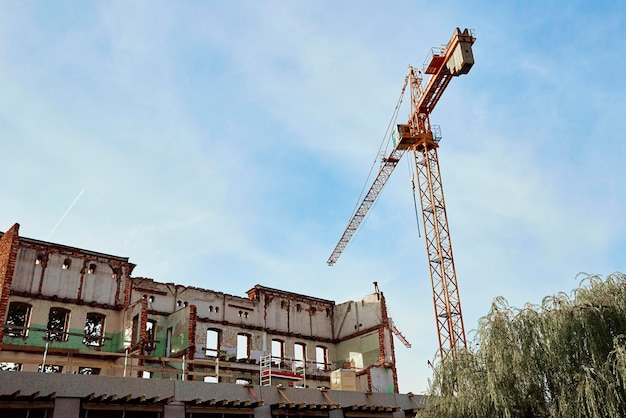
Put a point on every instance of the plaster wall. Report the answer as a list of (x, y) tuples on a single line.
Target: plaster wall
[(100, 287), (354, 317)]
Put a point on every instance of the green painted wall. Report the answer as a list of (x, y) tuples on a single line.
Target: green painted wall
[(37, 337), (367, 345)]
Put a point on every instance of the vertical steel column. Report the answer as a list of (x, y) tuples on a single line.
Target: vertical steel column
[(439, 249)]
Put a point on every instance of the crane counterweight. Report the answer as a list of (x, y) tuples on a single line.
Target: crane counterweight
[(422, 138)]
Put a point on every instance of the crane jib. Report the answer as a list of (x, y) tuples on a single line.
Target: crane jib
[(386, 168)]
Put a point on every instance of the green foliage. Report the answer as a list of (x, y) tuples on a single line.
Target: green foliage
[(565, 358)]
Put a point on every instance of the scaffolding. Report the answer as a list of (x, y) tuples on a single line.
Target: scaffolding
[(266, 370)]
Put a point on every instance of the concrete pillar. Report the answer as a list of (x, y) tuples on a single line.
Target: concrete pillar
[(264, 411), (66, 408), (173, 410)]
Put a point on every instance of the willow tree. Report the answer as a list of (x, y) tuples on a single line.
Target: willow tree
[(565, 358)]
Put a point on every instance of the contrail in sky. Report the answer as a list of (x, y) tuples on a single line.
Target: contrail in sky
[(65, 214)]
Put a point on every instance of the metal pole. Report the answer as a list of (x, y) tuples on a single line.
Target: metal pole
[(125, 362), (43, 363)]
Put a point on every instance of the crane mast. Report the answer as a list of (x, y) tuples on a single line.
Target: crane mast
[(422, 139)]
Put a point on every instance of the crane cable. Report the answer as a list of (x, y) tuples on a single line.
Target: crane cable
[(417, 221), (386, 136)]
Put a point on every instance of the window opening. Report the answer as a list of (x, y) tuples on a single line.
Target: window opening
[(146, 374), (39, 259), (299, 354), (57, 324), (88, 370), (212, 343), (211, 379), (66, 264), (94, 327), (211, 308), (242, 381), (243, 346), (92, 269), (50, 368), (10, 367), (321, 357), (151, 331), (278, 351), (18, 316), (168, 342)]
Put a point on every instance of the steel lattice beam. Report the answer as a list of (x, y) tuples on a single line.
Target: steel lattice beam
[(385, 170), (446, 298)]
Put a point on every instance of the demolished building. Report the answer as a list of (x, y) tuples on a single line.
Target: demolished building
[(78, 312)]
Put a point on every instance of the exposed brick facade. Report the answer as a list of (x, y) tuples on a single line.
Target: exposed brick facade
[(191, 350), (386, 328), (9, 244)]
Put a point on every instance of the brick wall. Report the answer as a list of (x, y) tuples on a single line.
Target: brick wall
[(191, 350), (9, 244)]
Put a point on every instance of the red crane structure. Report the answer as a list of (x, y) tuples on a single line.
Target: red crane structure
[(419, 136)]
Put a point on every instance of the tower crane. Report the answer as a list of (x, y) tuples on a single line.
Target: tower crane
[(422, 138)]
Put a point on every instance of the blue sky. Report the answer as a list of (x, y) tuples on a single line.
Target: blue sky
[(224, 144)]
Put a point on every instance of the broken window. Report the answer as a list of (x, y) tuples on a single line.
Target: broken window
[(243, 346), (50, 368), (151, 331), (321, 357), (116, 273), (278, 351), (10, 367), (58, 319), (66, 264), (18, 316), (92, 269), (39, 259), (212, 343), (88, 370), (94, 327)]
